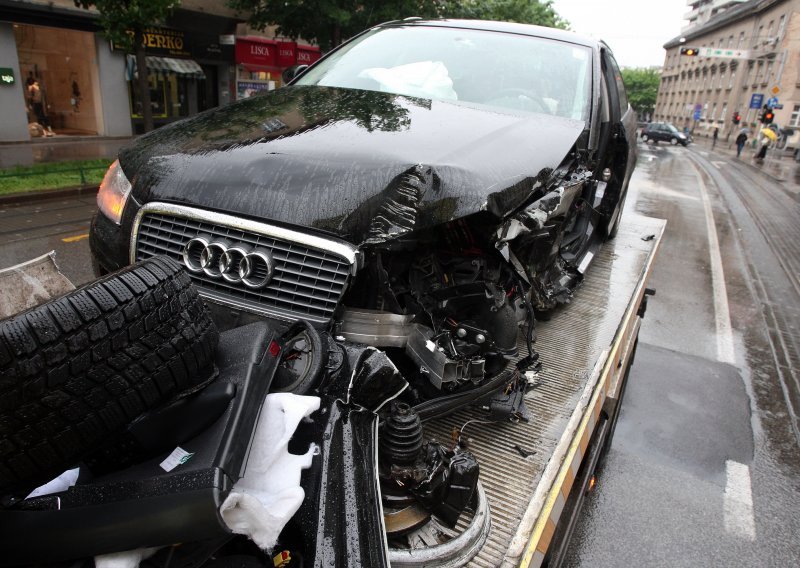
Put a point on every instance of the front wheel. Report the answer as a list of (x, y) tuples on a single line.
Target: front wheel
[(673, 141), (645, 138)]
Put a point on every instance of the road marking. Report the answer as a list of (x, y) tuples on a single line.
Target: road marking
[(718, 165), (738, 508), (722, 316), (75, 239), (703, 153)]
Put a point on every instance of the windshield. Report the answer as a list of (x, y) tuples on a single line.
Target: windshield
[(492, 69), (672, 128)]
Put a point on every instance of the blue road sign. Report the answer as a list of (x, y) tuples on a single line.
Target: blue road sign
[(697, 113), (756, 100), (772, 102)]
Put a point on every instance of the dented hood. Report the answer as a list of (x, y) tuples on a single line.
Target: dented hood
[(362, 165)]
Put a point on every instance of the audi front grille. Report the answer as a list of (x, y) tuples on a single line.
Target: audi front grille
[(308, 274)]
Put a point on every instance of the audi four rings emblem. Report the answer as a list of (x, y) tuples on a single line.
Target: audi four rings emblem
[(231, 262)]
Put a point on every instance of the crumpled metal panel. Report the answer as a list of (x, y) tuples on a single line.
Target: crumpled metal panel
[(362, 165)]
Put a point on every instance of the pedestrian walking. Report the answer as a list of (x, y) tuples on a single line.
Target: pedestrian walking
[(741, 140), (714, 137), (768, 137)]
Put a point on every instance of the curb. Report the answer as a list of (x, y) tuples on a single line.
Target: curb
[(33, 196)]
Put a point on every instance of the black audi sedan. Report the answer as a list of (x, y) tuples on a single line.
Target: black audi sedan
[(425, 189)]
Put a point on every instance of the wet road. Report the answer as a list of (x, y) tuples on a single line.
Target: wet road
[(705, 465), (32, 229)]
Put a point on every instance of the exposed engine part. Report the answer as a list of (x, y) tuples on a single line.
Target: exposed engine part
[(374, 327), (442, 480), (508, 405), (307, 355), (400, 439), (433, 360)]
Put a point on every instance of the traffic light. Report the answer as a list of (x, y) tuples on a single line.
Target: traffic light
[(690, 51), (769, 116), (737, 118)]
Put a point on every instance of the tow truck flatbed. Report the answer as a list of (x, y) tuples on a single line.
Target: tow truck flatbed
[(529, 470)]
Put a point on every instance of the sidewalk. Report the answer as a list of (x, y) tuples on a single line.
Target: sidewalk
[(59, 148), (779, 166)]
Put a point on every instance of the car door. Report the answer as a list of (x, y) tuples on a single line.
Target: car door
[(621, 151)]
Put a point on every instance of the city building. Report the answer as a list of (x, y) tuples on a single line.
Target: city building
[(702, 10), (203, 56), (747, 56)]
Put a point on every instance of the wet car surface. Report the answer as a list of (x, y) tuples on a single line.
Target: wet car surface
[(393, 197)]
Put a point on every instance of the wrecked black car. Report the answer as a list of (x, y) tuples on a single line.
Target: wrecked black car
[(400, 213)]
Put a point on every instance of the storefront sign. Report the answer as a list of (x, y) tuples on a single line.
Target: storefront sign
[(306, 54), (258, 52), (287, 53), (7, 76), (163, 41)]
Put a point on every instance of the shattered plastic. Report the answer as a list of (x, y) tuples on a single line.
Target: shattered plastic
[(31, 283)]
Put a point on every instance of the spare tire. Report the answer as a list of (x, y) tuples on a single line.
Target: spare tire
[(75, 371)]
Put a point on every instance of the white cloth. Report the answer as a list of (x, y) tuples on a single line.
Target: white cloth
[(127, 559), (426, 79), (262, 502)]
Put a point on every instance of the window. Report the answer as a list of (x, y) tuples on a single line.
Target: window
[(713, 112), (769, 71), (795, 119), (730, 42), (724, 112), (741, 41), (781, 26), (623, 98), (733, 76), (759, 37), (769, 30)]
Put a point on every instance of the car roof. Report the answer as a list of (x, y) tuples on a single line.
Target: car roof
[(505, 27)]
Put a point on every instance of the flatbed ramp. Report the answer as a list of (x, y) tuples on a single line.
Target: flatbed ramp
[(583, 348)]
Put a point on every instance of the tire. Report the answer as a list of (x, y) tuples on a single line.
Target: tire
[(644, 138), (75, 371), (673, 141)]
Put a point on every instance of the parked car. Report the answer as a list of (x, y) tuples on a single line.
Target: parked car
[(422, 189), (664, 132)]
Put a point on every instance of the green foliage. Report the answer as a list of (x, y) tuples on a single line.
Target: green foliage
[(120, 17), (50, 176), (642, 88), (540, 13), (329, 22)]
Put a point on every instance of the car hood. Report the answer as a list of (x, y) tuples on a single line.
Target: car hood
[(362, 165)]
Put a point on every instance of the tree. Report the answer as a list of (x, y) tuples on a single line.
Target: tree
[(642, 88), (124, 22), (540, 13), (330, 22)]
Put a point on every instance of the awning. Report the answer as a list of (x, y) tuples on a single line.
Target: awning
[(185, 67)]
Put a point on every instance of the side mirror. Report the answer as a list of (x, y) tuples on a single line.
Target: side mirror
[(291, 72)]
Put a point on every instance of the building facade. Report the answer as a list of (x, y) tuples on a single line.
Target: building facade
[(749, 56), (195, 62)]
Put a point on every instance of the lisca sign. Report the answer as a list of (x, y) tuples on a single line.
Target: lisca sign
[(7, 76)]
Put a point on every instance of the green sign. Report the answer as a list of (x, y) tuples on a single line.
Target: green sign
[(7, 76)]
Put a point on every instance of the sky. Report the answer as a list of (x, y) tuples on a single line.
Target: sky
[(635, 30)]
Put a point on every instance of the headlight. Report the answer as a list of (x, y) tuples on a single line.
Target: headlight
[(113, 193)]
